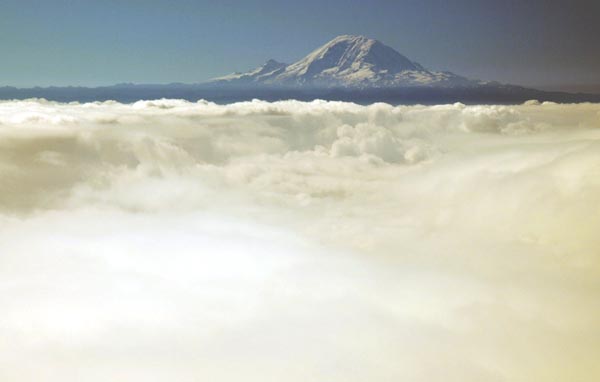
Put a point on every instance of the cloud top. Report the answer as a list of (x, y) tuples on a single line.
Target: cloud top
[(319, 240)]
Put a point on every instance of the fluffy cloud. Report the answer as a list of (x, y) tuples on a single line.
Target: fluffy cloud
[(169, 240)]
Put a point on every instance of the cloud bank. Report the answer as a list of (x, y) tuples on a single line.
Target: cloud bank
[(168, 240)]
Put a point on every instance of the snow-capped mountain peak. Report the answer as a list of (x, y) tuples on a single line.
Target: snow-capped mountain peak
[(347, 61), (353, 57)]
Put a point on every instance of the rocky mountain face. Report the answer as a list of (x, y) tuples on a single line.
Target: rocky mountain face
[(347, 61)]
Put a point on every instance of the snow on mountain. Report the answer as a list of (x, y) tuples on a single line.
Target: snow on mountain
[(268, 70), (347, 61)]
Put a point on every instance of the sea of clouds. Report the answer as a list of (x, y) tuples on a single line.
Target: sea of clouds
[(290, 241)]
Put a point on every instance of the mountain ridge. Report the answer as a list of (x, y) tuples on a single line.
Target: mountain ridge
[(347, 68), (347, 61)]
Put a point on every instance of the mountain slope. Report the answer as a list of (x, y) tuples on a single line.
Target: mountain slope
[(269, 69), (347, 61)]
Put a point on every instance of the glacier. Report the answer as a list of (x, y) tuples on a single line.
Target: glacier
[(348, 61)]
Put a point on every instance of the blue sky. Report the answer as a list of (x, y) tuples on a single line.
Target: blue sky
[(67, 42)]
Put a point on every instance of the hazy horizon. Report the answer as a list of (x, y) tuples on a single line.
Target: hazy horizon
[(569, 88)]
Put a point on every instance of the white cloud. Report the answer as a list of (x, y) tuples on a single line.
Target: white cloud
[(168, 240)]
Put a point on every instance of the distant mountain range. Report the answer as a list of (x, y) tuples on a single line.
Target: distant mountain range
[(347, 68), (349, 62)]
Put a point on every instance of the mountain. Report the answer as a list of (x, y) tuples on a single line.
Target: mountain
[(348, 68), (262, 73), (348, 61)]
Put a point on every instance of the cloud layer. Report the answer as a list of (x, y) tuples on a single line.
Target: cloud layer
[(169, 240)]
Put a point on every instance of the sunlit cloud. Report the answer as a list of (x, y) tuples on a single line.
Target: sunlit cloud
[(170, 240)]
